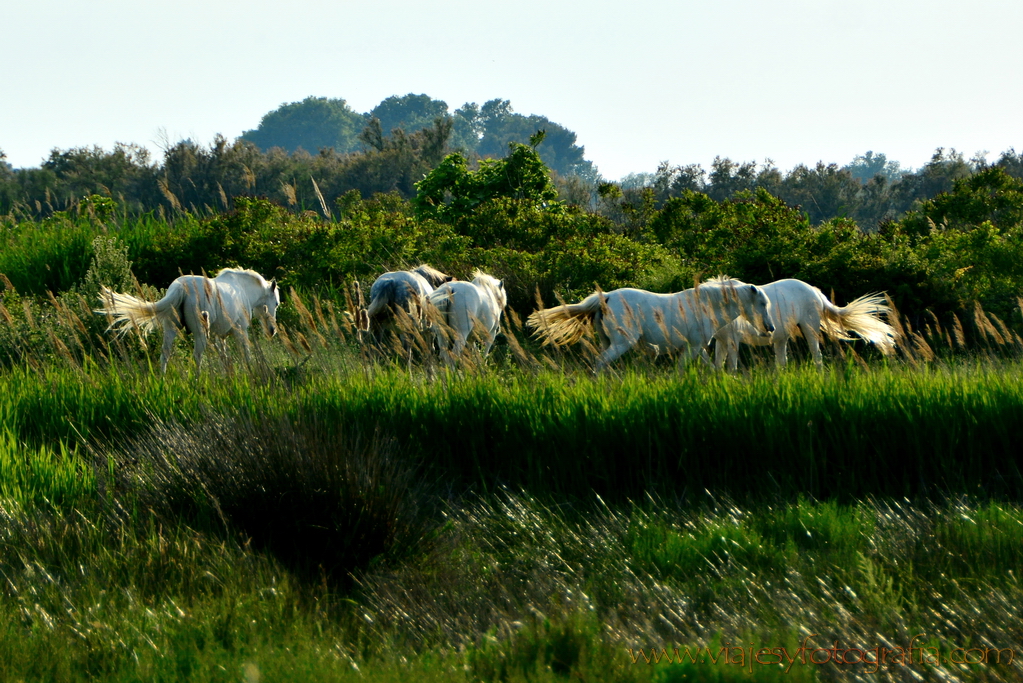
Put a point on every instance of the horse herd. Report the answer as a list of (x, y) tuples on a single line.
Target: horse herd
[(722, 310)]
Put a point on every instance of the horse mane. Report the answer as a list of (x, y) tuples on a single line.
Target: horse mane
[(491, 283), (720, 279), (243, 271), (432, 275)]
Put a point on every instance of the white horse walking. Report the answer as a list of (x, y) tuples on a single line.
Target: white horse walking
[(221, 306), (463, 307), (407, 290), (684, 320), (802, 308)]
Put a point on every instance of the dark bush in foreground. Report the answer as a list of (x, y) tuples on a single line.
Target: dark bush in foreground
[(324, 503)]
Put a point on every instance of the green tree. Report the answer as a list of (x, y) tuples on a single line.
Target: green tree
[(728, 177), (824, 192), (409, 113), (989, 195), (451, 191), (937, 175), (126, 173), (8, 185), (312, 124), (1011, 162), (866, 167), (488, 130)]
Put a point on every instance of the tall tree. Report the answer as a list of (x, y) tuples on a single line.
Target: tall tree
[(312, 124), (410, 112), (865, 166), (495, 125)]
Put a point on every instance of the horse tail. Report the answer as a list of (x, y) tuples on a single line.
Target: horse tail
[(440, 310), (440, 299), (862, 317), (565, 324), (382, 300), (126, 311)]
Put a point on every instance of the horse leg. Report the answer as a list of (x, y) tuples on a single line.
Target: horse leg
[(611, 354), (726, 348), (781, 342), (489, 343), (732, 353), (814, 341), (720, 352), (200, 346), (460, 339), (170, 331)]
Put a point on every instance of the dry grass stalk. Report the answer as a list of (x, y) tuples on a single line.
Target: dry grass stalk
[(223, 197), (282, 332), (984, 324), (290, 193), (957, 331), (923, 349), (61, 348), (29, 318), (303, 342), (334, 327), (168, 194), (1003, 330), (323, 203), (306, 316)]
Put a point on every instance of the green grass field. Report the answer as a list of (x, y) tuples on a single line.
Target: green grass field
[(340, 517), (333, 512)]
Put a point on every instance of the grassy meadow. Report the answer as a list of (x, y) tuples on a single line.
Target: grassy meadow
[(328, 513), (336, 511)]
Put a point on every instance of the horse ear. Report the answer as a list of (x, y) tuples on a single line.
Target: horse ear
[(273, 284)]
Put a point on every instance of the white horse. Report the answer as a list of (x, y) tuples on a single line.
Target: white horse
[(221, 306), (802, 308), (684, 320), (465, 306), (404, 289)]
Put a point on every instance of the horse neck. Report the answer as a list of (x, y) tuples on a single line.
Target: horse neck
[(491, 291), (725, 301), (248, 287)]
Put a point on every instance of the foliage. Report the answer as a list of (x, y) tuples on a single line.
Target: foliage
[(865, 167), (408, 113), (488, 130), (452, 191), (312, 124)]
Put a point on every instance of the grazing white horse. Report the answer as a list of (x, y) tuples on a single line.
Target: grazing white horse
[(684, 320), (221, 306), (465, 306), (404, 289), (802, 308)]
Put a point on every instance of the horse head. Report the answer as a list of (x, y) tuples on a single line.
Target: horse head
[(267, 308), (492, 285), (759, 306)]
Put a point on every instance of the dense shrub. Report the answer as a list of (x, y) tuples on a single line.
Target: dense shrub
[(323, 502)]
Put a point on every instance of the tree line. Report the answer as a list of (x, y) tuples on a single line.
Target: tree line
[(506, 216), (306, 155)]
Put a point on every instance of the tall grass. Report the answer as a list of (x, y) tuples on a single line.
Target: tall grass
[(43, 475), (274, 521), (842, 433)]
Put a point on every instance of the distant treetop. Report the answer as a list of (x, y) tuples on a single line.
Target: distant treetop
[(478, 131)]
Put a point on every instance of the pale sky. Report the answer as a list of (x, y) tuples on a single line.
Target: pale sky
[(796, 81)]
